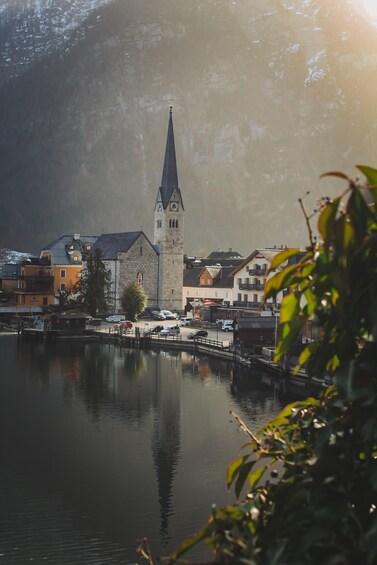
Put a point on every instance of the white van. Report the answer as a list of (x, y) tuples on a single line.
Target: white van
[(115, 319), (227, 326)]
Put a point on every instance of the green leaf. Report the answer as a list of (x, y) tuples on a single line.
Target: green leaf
[(306, 354), (327, 217), (369, 173), (283, 256), (287, 334), (242, 476), (255, 477), (280, 281), (234, 469), (311, 299), (290, 307)]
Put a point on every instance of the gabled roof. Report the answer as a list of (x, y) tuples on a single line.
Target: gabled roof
[(169, 181), (221, 255), (213, 271), (267, 254), (113, 243), (58, 248), (224, 278)]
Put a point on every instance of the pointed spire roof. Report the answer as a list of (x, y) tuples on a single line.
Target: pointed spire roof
[(169, 180)]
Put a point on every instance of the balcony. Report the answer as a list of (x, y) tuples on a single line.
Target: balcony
[(41, 277), (251, 286), (257, 272)]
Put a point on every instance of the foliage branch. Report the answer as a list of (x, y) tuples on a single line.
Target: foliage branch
[(307, 482)]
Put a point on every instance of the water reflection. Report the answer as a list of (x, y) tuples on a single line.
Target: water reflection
[(111, 445)]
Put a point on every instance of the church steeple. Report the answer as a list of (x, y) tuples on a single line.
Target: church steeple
[(168, 230), (169, 181)]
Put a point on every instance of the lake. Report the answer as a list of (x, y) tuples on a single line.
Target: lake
[(102, 446)]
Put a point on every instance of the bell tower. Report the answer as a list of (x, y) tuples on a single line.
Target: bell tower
[(168, 229)]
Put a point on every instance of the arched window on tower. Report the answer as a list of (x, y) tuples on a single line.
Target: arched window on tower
[(140, 278)]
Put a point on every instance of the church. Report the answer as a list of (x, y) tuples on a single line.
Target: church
[(158, 266)]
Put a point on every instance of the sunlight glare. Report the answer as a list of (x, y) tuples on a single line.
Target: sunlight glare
[(370, 7)]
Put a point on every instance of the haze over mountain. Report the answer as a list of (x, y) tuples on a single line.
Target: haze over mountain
[(267, 95)]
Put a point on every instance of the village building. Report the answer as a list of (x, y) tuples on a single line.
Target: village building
[(130, 257), (64, 259), (250, 278)]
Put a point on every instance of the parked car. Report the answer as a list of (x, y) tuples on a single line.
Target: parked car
[(185, 321), (155, 315), (168, 315), (154, 330), (197, 333), (227, 326), (170, 330), (115, 318), (124, 325)]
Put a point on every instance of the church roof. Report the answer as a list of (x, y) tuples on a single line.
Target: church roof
[(113, 243), (169, 181)]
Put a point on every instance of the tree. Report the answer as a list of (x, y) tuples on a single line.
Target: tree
[(311, 474), (133, 300), (94, 285)]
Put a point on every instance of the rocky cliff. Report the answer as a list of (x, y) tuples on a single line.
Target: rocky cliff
[(267, 95)]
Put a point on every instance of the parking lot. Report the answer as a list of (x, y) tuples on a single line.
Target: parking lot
[(214, 333)]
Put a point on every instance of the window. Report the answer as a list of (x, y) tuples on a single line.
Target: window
[(62, 286), (141, 249), (239, 281), (245, 298), (140, 278), (255, 298), (247, 280), (45, 301), (159, 224), (62, 273), (239, 297)]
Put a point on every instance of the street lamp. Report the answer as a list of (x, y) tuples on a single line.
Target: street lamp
[(276, 312)]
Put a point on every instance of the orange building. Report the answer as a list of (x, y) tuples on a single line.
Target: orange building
[(65, 257), (35, 284)]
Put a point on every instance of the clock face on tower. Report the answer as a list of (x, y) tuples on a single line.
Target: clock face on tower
[(174, 206), (159, 206)]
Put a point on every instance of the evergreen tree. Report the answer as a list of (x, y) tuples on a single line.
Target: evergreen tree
[(133, 300), (94, 285)]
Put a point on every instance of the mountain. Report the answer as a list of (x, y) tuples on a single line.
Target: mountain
[(267, 96)]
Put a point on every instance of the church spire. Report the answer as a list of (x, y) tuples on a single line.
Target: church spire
[(169, 181)]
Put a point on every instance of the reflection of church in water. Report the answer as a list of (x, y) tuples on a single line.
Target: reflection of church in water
[(166, 440), (149, 389)]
